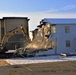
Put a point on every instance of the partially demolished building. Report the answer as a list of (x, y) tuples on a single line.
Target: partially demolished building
[(62, 33)]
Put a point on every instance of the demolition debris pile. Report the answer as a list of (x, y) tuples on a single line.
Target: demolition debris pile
[(42, 40)]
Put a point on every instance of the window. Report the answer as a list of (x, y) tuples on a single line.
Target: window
[(67, 43), (53, 29), (67, 29)]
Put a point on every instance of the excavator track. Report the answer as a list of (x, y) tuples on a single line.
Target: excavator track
[(6, 55)]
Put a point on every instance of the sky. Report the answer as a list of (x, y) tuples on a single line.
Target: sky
[(36, 10)]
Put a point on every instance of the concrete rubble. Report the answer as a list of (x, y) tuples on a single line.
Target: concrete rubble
[(42, 39)]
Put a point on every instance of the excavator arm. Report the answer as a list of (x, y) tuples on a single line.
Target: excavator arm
[(15, 31)]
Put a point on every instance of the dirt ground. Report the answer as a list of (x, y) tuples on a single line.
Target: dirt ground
[(3, 62), (53, 68)]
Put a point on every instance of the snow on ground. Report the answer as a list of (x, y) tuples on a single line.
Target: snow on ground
[(31, 60)]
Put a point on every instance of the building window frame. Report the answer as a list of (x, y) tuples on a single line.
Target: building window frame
[(53, 29), (67, 29), (67, 43)]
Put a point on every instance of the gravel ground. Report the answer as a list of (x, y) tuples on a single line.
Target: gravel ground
[(52, 68)]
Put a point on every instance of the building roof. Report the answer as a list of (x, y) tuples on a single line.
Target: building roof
[(36, 29), (60, 20), (14, 18), (40, 25)]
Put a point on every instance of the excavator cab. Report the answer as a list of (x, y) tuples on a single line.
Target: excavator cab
[(2, 48)]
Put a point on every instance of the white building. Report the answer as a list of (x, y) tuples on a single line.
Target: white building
[(63, 32)]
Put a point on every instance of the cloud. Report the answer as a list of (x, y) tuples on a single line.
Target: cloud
[(51, 11), (69, 7), (35, 17)]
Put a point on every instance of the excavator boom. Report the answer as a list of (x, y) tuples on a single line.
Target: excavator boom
[(15, 31), (10, 34)]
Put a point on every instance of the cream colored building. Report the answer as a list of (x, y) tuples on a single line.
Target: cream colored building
[(10, 23)]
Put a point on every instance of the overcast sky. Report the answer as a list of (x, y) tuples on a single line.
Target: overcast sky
[(36, 10)]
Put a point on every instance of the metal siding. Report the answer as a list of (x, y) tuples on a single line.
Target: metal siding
[(61, 37)]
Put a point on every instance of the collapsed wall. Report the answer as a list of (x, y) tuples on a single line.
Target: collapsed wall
[(42, 39)]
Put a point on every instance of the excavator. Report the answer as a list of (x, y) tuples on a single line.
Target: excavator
[(38, 44), (10, 34)]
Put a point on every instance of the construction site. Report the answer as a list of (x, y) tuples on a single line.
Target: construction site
[(21, 54), (15, 39)]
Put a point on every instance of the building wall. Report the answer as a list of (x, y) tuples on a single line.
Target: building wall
[(12, 23), (31, 35), (60, 37), (0, 30)]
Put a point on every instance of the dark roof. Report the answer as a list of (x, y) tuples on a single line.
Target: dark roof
[(40, 25), (60, 20), (36, 29), (16, 18)]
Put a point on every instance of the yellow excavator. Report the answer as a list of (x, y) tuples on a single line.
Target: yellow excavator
[(10, 34)]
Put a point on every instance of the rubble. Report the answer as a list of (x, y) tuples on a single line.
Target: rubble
[(41, 41)]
